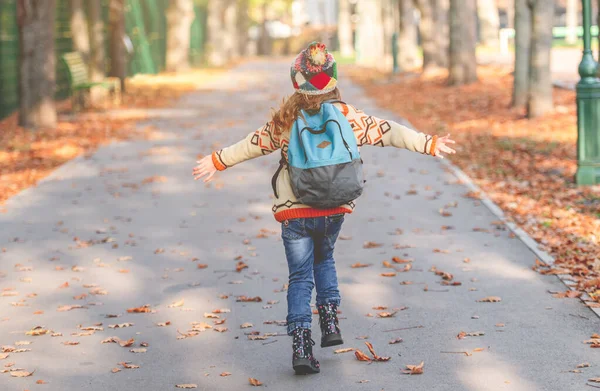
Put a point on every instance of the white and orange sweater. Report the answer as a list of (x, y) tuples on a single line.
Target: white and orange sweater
[(367, 129)]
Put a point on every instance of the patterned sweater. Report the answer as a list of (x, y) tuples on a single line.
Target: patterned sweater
[(367, 129)]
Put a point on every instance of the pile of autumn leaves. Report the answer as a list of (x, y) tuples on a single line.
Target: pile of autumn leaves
[(526, 167)]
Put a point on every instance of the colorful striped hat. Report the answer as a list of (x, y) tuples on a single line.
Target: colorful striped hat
[(314, 72)]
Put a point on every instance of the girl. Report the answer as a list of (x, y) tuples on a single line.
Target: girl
[(309, 234)]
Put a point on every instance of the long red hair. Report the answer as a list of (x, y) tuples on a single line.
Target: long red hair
[(284, 118)]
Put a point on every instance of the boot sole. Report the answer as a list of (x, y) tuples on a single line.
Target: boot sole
[(331, 340), (303, 366)]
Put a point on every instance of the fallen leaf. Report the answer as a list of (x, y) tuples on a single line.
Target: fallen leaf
[(256, 299), (360, 356), (140, 310), (359, 265), (21, 373), (64, 308), (400, 260), (176, 304), (223, 374), (163, 324), (41, 382), (128, 365), (70, 343), (414, 369), (138, 350), (345, 350), (202, 266), (246, 325), (584, 365), (120, 326), (372, 245), (490, 299), (389, 274), (386, 314), (37, 331), (115, 370), (254, 382), (126, 344), (220, 329), (395, 341), (240, 266)]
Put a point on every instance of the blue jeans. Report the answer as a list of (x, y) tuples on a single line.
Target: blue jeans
[(309, 244)]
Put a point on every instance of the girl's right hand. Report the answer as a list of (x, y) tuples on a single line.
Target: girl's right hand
[(205, 167)]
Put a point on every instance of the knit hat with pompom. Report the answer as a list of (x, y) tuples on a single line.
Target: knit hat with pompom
[(314, 72)]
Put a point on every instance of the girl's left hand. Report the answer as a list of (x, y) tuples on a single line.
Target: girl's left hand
[(441, 146)]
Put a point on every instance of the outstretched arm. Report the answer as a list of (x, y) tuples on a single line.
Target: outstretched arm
[(382, 133), (261, 142)]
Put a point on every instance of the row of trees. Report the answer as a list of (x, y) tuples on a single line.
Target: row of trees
[(448, 34), (446, 30)]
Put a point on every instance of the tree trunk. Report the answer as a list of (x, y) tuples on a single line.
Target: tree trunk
[(230, 30), (79, 29), (510, 14), (427, 32), (389, 20), (264, 40), (489, 22), (540, 75), (118, 52), (180, 16), (407, 38), (37, 63), (370, 35), (442, 31), (522, 47), (98, 57), (463, 62), (572, 21), (345, 29), (214, 47), (243, 26)]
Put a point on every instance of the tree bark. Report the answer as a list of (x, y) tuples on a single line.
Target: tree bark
[(540, 75), (572, 21), (230, 30), (264, 40), (243, 26), (407, 39), (427, 31), (510, 14), (180, 16), (98, 57), (489, 22), (522, 47), (79, 29), (389, 24), (442, 31), (37, 63), (370, 34), (118, 52), (463, 62), (345, 29), (215, 47)]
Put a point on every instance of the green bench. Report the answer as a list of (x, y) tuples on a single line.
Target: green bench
[(81, 85)]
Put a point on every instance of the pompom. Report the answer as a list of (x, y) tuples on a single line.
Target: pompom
[(317, 53)]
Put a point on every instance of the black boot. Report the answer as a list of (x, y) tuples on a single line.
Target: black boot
[(330, 329), (303, 360)]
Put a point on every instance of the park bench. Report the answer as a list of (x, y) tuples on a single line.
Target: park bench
[(81, 85)]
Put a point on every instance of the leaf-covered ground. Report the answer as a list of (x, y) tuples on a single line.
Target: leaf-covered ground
[(527, 167), (28, 156)]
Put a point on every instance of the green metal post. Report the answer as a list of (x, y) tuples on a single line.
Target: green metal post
[(395, 51), (588, 110)]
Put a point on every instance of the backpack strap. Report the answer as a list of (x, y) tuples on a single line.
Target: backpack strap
[(282, 164)]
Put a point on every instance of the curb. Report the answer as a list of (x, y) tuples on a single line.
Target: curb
[(520, 233)]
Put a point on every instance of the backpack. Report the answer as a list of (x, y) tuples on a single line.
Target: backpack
[(324, 163)]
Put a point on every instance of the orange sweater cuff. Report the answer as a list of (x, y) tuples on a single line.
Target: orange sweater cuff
[(433, 143), (217, 163)]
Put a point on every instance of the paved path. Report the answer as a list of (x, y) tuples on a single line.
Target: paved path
[(91, 215)]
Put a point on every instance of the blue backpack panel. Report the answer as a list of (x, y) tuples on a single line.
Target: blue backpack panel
[(323, 160)]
